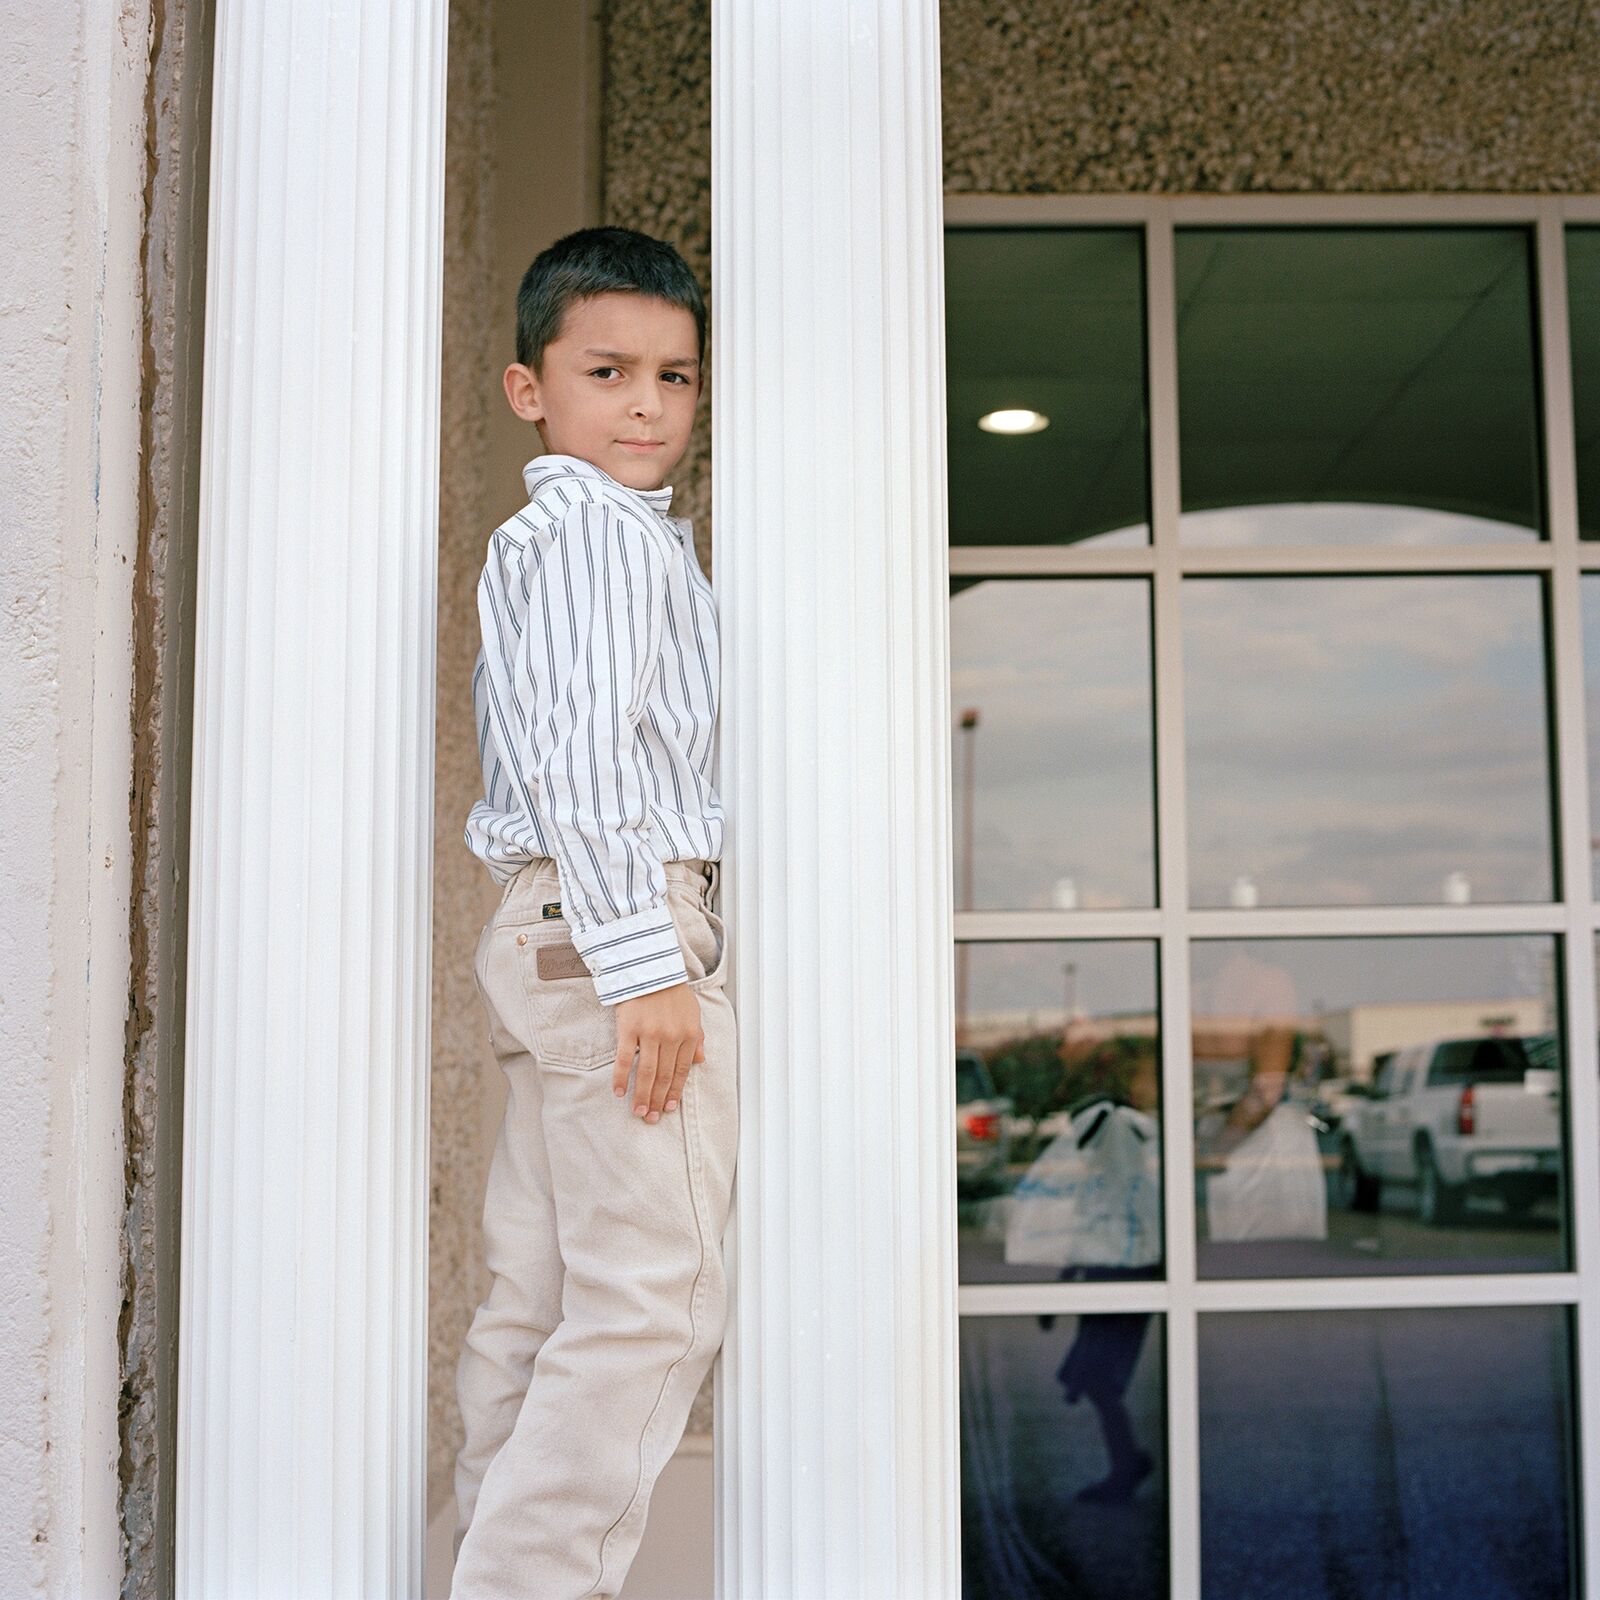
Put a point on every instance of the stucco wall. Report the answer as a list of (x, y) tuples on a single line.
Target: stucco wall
[(72, 148)]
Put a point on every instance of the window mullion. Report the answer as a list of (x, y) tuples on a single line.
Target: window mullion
[(1572, 776), (1172, 857)]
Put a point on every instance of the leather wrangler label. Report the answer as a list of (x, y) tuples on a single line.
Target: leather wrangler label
[(560, 961)]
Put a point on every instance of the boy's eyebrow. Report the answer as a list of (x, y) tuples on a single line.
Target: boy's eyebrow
[(628, 355)]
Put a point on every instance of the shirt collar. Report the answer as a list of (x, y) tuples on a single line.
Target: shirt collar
[(542, 469)]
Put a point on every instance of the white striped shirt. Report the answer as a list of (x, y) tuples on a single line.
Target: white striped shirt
[(595, 695)]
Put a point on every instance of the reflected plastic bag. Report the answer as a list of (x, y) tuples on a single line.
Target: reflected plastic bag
[(1273, 1187), (1092, 1198)]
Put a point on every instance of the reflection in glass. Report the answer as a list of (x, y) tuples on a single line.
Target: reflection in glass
[(1366, 741), (1589, 589), (1359, 385), (1050, 320), (1387, 1452), (1063, 1458), (1058, 1117), (1583, 311), (1378, 1106), (1054, 764)]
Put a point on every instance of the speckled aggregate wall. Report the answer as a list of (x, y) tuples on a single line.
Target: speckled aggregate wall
[(1226, 95), (656, 174), (1218, 96)]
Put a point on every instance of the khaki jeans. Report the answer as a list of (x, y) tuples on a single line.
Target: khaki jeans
[(603, 1234)]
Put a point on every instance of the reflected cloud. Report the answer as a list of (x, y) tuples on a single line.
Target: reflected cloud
[(1362, 740)]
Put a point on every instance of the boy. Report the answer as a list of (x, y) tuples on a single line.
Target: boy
[(595, 693)]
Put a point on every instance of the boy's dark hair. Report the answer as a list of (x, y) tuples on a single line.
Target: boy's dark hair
[(600, 261)]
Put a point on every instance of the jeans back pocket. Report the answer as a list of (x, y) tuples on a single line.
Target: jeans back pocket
[(568, 1027)]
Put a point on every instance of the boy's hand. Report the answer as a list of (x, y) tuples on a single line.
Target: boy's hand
[(664, 1027)]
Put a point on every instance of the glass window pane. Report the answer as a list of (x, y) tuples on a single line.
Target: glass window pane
[(1054, 762), (1367, 741), (1048, 320), (1583, 310), (1589, 589), (1387, 1452), (1379, 1106), (1357, 385), (1058, 1114), (1063, 1457)]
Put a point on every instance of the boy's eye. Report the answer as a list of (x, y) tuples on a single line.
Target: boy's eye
[(598, 372)]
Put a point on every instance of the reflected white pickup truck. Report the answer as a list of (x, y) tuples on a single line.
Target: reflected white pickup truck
[(1454, 1117)]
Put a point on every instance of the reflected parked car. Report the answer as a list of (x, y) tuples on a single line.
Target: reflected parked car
[(1457, 1117), (1333, 1098), (983, 1123)]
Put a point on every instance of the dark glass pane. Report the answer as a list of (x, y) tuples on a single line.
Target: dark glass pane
[(1583, 311), (1367, 741), (1379, 1106), (1050, 320), (1063, 1458), (1058, 1114), (1347, 1454), (1357, 386), (1054, 763)]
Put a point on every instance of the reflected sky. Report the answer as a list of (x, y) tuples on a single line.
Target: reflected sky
[(1027, 978), (1059, 672), (1590, 591), (1351, 741), (1356, 741), (1286, 523)]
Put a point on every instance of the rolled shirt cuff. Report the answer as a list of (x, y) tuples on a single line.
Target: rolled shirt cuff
[(633, 955)]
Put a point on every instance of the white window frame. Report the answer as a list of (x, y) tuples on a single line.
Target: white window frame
[(1180, 1297)]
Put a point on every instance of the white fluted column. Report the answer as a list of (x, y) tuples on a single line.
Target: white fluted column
[(303, 1309), (836, 1401)]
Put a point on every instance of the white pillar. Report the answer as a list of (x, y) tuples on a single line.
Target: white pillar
[(837, 1401), (303, 1310)]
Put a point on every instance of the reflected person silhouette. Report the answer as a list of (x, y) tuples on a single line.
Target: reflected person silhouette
[(1264, 1176), (1099, 1364)]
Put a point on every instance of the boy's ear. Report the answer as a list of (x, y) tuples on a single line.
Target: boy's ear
[(522, 392)]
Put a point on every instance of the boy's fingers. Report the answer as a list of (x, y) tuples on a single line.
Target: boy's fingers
[(670, 1083), (626, 1045), (686, 1060), (644, 1079)]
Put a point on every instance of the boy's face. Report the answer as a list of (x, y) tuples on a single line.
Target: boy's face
[(619, 386)]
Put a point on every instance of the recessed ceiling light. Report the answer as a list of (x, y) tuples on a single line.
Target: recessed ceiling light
[(1014, 421)]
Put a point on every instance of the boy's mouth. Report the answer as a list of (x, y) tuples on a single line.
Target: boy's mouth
[(641, 445)]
